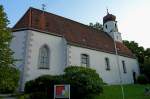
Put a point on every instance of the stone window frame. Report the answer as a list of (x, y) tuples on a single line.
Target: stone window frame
[(85, 57), (44, 61)]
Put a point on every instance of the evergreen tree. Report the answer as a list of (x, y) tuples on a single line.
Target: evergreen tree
[(9, 75), (6, 53)]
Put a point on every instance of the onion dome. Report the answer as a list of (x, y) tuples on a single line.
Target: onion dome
[(109, 17)]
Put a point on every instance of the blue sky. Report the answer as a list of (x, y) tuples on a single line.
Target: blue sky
[(133, 16)]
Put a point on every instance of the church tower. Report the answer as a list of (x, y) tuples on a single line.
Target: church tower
[(110, 27)]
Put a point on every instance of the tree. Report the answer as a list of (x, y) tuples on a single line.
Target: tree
[(97, 26), (137, 50), (147, 53), (146, 67), (9, 75), (142, 55), (6, 58)]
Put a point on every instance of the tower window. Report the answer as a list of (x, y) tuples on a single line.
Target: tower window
[(106, 26), (124, 67), (84, 60), (115, 25), (107, 63)]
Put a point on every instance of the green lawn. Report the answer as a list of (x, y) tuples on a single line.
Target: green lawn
[(131, 92)]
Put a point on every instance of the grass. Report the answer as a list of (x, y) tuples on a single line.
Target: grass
[(114, 92), (130, 91)]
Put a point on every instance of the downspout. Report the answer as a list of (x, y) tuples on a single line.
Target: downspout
[(117, 58)]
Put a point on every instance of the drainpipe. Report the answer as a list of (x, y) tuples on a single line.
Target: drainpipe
[(117, 58)]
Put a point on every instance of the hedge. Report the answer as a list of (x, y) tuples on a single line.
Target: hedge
[(83, 82)]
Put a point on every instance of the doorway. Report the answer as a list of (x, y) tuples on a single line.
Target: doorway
[(134, 77)]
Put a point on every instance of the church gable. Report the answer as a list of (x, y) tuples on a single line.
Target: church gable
[(75, 33)]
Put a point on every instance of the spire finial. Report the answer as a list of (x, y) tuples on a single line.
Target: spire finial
[(107, 11), (43, 7)]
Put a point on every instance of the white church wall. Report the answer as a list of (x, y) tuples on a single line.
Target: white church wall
[(131, 66), (97, 62), (110, 26), (26, 45), (18, 46), (117, 36), (57, 61)]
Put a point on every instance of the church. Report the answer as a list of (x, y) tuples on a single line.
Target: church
[(46, 43)]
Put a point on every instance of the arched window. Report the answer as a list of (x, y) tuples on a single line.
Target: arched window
[(84, 60), (107, 63), (44, 54), (124, 66)]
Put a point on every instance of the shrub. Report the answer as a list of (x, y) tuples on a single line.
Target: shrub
[(83, 81), (9, 77), (43, 86), (142, 79)]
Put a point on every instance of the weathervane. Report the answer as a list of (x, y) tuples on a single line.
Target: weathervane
[(43, 7)]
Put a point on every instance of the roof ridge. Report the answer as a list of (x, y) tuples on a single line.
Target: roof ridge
[(59, 16), (67, 19), (91, 28)]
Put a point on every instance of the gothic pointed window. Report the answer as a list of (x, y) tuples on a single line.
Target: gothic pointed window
[(44, 57)]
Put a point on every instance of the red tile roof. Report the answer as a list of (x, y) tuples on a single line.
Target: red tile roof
[(75, 33)]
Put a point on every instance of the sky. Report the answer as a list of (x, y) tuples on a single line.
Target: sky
[(133, 16)]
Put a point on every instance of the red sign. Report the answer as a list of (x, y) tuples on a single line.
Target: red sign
[(62, 91), (59, 90)]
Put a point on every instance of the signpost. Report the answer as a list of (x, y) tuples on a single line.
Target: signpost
[(62, 91)]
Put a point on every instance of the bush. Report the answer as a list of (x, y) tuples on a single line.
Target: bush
[(9, 77), (43, 86), (142, 79), (83, 81)]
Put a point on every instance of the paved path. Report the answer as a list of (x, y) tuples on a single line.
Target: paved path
[(7, 96)]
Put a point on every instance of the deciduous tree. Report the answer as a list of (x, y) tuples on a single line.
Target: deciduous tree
[(96, 25)]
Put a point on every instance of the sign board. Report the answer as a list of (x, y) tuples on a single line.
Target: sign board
[(61, 91)]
